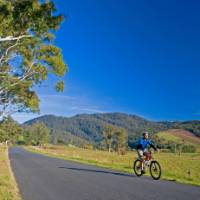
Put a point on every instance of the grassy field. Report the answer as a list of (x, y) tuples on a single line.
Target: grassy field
[(178, 136), (8, 187), (184, 168), (169, 137)]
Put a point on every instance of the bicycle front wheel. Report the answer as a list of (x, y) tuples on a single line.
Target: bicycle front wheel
[(137, 167), (155, 170)]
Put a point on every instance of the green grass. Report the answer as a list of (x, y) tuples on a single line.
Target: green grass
[(8, 187), (174, 167), (179, 136), (169, 137)]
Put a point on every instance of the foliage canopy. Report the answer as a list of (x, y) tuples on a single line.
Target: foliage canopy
[(27, 52)]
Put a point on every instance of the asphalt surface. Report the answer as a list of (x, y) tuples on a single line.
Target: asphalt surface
[(43, 178)]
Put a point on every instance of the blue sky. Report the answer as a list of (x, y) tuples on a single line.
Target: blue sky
[(139, 57)]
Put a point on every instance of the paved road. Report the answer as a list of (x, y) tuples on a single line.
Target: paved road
[(44, 178)]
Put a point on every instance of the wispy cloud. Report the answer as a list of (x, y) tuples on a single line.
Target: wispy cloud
[(89, 109), (62, 105)]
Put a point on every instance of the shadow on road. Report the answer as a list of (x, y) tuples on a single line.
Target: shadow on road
[(98, 171)]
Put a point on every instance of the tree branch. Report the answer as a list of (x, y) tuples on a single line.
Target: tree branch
[(7, 50), (11, 38), (25, 75)]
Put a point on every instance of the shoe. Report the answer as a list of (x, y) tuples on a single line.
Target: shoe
[(143, 172)]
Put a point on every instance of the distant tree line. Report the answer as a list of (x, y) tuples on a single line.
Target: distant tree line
[(90, 127), (173, 146), (14, 133), (114, 138)]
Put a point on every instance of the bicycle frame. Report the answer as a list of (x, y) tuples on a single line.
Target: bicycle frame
[(148, 156)]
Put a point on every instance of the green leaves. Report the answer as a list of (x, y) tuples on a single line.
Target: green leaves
[(115, 138), (27, 53), (9, 130), (52, 57), (60, 86), (37, 134)]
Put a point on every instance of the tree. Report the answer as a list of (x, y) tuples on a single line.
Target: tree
[(27, 53), (37, 134), (9, 130), (189, 148), (121, 139), (108, 133), (41, 133), (28, 136), (115, 137), (3, 136)]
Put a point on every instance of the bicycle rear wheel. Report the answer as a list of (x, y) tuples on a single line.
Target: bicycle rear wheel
[(137, 167), (155, 170)]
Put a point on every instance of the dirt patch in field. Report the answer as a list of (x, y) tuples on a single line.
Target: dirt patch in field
[(185, 135)]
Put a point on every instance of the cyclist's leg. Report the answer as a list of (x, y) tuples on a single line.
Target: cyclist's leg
[(145, 152), (141, 157)]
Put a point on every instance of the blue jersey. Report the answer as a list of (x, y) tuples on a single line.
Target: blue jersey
[(144, 143)]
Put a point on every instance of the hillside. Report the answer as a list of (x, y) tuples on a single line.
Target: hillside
[(179, 136), (178, 140), (89, 126), (192, 126)]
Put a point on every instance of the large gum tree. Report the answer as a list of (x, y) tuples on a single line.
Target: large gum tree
[(27, 52)]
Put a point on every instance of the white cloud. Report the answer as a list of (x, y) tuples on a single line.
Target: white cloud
[(61, 105)]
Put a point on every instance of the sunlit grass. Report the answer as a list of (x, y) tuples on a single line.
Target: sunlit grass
[(169, 137), (8, 187), (179, 136), (184, 168)]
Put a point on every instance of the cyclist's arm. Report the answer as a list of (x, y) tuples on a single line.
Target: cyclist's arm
[(152, 145)]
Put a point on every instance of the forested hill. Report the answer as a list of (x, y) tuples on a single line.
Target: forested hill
[(89, 126)]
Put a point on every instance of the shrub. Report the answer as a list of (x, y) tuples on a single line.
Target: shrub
[(189, 149)]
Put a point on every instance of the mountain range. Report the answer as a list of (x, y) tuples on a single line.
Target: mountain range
[(89, 127)]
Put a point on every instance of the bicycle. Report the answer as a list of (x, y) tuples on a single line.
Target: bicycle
[(148, 162)]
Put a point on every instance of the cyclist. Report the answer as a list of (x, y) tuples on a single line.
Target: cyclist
[(143, 143)]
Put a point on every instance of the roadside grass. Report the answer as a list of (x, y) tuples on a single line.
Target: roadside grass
[(8, 186), (184, 168)]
